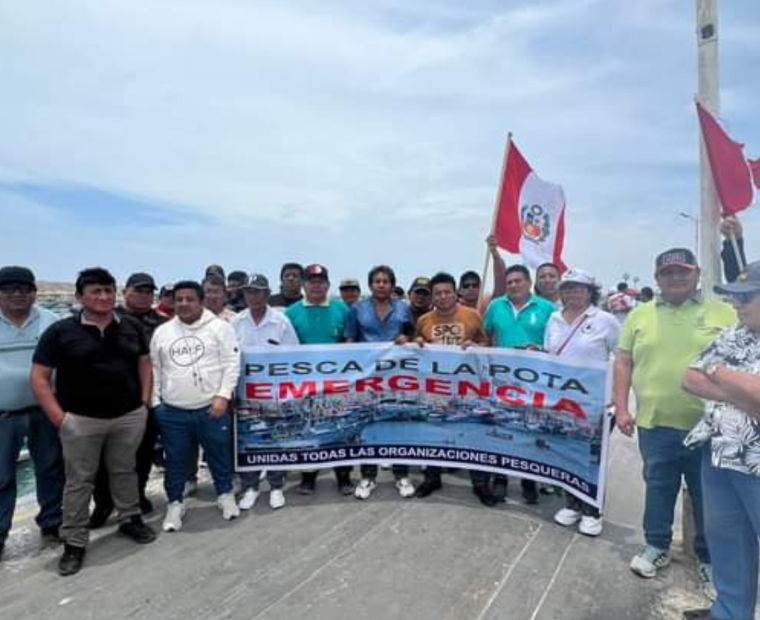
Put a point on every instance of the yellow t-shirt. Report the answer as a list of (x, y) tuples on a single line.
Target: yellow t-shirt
[(464, 324), (663, 340)]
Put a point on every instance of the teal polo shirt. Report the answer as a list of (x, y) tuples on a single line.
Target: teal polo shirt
[(322, 324), (510, 329)]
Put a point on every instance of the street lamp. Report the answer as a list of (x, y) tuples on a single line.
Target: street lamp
[(696, 230)]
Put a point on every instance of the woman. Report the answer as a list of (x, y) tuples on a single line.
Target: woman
[(580, 331), (727, 374), (547, 281)]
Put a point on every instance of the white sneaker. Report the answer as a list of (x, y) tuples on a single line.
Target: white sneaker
[(590, 526), (276, 499), (405, 487), (649, 560), (226, 503), (191, 488), (364, 488), (173, 519), (248, 500), (567, 516)]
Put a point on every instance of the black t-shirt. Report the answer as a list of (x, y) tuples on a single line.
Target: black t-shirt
[(150, 320), (96, 373), (280, 301)]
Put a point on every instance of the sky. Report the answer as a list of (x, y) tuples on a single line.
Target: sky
[(166, 136)]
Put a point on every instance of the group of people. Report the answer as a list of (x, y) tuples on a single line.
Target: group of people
[(94, 391)]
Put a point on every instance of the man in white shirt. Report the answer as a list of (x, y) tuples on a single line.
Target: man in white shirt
[(196, 365), (261, 326)]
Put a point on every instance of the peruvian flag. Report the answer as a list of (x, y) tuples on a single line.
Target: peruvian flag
[(732, 172), (531, 214)]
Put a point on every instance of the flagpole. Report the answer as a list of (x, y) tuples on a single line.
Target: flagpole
[(709, 96), (495, 215)]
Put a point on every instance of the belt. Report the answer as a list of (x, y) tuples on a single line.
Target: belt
[(19, 411)]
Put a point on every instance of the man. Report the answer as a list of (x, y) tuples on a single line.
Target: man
[(621, 303), (165, 306), (21, 325), (138, 303), (381, 319), (518, 321), (291, 280), (658, 341), (469, 289), (235, 300), (196, 365), (451, 323), (420, 297), (350, 291), (318, 319), (214, 294), (470, 283), (102, 383), (264, 327)]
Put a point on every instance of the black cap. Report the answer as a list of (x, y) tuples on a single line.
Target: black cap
[(316, 271), (747, 282), (13, 274), (257, 282), (238, 276), (141, 279), (420, 283), (682, 257), (166, 289)]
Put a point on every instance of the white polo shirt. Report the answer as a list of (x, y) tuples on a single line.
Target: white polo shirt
[(593, 336), (274, 329)]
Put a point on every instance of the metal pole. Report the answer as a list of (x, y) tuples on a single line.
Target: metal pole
[(709, 95)]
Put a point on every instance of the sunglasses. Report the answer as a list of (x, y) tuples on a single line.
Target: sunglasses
[(470, 285), (742, 298), (24, 289)]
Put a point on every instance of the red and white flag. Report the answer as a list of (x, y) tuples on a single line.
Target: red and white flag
[(531, 214), (732, 172)]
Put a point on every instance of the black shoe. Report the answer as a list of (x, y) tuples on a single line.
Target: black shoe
[(484, 494), (100, 515), (146, 506), (345, 484), (698, 614), (137, 530), (71, 561), (308, 484), (51, 533), (500, 484), (428, 486), (530, 492)]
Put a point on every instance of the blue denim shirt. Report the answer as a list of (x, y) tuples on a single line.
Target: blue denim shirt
[(17, 345), (364, 325)]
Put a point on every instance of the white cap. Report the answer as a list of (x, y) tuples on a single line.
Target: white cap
[(577, 276)]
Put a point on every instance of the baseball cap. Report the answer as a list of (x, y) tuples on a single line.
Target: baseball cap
[(316, 271), (682, 257), (13, 274), (237, 276), (420, 282), (141, 279), (577, 276), (166, 289), (257, 281), (350, 283), (747, 282)]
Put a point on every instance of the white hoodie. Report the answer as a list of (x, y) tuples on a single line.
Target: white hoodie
[(194, 363)]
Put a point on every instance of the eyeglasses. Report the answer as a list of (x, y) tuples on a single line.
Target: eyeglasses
[(422, 292), (470, 285), (742, 299), (24, 289)]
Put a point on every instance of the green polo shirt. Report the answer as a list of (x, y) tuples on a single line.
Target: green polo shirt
[(318, 324), (663, 340), (511, 329)]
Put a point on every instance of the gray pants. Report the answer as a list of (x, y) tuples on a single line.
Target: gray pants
[(84, 440)]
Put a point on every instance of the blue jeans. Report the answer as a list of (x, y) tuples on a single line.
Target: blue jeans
[(179, 428), (45, 450), (732, 523), (666, 462)]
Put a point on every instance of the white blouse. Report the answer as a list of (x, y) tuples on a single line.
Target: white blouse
[(592, 336)]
